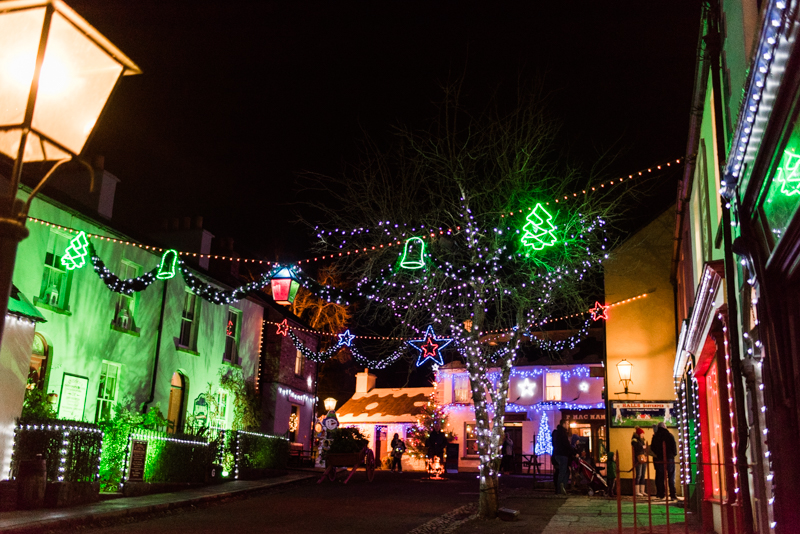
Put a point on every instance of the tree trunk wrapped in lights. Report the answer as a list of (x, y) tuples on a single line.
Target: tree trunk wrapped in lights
[(511, 239)]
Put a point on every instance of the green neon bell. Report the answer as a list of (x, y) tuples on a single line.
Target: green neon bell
[(168, 263), (413, 254)]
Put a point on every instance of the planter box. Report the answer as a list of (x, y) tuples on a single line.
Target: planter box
[(61, 494)]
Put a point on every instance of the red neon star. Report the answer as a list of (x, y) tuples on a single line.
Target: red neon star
[(429, 348), (283, 328), (599, 312)]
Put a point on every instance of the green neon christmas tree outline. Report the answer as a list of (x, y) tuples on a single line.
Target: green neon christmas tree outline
[(75, 255), (539, 230), (789, 174)]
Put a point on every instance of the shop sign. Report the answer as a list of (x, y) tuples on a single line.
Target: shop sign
[(72, 400), (586, 417), (643, 414)]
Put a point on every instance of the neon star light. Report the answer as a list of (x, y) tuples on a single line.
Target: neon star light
[(789, 174), (430, 347), (75, 255), (538, 233), (346, 338), (599, 312), (413, 253), (169, 261), (283, 328)]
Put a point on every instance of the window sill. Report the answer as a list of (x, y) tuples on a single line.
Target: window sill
[(134, 332), (39, 303), (181, 348)]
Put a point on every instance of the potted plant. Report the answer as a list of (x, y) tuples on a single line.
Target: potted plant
[(347, 447)]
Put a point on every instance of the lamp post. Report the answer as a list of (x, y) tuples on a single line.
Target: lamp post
[(56, 74)]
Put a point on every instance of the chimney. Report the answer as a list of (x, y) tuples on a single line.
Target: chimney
[(365, 381)]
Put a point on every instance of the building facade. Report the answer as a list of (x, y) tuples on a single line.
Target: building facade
[(737, 246)]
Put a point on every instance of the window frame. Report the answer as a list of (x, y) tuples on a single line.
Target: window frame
[(462, 395), (102, 402), (550, 390), (132, 300), (56, 238), (299, 363), (191, 343), (232, 356), (468, 440)]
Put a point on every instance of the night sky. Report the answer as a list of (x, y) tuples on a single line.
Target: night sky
[(237, 97)]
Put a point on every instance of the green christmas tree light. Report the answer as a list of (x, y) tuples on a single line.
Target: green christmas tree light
[(77, 250), (539, 230), (789, 174)]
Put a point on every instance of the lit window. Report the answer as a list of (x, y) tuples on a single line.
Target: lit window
[(188, 336), (107, 392), (232, 337), (221, 414), (126, 304), (299, 363), (461, 392), (553, 386), (470, 440), (56, 279)]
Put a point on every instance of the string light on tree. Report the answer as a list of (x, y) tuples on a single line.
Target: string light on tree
[(544, 440)]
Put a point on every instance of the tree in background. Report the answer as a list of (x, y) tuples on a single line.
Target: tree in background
[(473, 225), (431, 413)]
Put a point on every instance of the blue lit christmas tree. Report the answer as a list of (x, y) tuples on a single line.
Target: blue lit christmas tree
[(544, 441)]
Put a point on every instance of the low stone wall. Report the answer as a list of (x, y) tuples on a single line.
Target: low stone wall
[(61, 494)]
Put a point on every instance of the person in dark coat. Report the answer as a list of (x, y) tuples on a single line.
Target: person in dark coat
[(562, 453), (436, 443), (663, 439), (398, 448)]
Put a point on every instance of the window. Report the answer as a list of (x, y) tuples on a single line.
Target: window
[(553, 386), (783, 191), (221, 413), (37, 371), (470, 440), (299, 363), (126, 304), (107, 392), (55, 278), (188, 336), (294, 423), (232, 337), (461, 392)]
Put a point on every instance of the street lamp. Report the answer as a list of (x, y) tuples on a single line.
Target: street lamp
[(56, 74), (330, 404), (624, 369), (284, 286)]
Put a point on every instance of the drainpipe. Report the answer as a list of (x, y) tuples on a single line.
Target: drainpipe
[(715, 45), (158, 346)]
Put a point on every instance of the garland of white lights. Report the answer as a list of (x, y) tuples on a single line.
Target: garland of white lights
[(115, 283), (321, 357), (222, 296)]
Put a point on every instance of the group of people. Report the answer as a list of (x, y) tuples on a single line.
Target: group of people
[(663, 449)]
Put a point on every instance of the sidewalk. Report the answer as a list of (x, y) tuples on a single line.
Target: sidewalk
[(26, 521), (541, 512)]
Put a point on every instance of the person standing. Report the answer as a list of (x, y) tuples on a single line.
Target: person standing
[(639, 446), (562, 452), (398, 448), (662, 441), (436, 443), (508, 454)]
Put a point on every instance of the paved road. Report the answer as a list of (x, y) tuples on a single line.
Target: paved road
[(392, 504)]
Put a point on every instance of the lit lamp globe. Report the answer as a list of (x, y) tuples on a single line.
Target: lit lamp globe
[(56, 74), (330, 404), (284, 286), (624, 369)]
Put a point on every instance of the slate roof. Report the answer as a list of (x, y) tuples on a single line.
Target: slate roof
[(385, 405), (19, 304)]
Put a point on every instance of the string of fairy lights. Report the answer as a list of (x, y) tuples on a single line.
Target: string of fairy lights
[(424, 233)]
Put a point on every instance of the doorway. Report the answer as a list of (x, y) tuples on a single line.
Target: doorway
[(515, 434), (380, 437), (176, 394)]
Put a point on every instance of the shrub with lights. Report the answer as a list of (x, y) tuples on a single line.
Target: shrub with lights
[(474, 228)]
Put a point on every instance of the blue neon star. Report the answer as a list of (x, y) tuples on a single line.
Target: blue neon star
[(346, 338), (430, 347)]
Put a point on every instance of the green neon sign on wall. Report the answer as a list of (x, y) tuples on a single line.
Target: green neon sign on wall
[(538, 233), (75, 255)]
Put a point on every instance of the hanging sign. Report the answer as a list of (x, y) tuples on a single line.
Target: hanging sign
[(72, 400), (643, 414)]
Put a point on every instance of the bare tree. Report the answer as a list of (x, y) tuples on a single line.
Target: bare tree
[(512, 236)]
